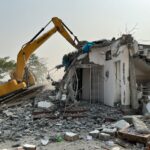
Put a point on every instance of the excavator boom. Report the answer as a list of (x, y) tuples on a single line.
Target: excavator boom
[(27, 50)]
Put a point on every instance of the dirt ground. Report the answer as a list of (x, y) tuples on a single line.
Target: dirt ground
[(17, 125), (76, 145)]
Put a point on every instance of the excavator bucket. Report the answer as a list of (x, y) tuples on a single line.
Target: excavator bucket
[(10, 87)]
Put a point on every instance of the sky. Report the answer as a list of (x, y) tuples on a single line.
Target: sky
[(88, 19)]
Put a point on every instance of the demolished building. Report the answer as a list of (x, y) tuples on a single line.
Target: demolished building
[(114, 72)]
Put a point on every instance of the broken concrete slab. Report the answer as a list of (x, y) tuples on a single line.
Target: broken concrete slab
[(122, 143), (44, 141), (45, 104), (130, 134), (8, 113), (128, 118), (89, 138), (94, 133), (121, 124), (104, 136), (70, 136), (140, 126), (110, 131)]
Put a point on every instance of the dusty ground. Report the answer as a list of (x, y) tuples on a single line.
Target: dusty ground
[(17, 127), (77, 145)]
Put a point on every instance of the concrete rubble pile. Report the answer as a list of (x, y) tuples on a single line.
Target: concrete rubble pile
[(100, 122), (19, 121), (63, 114)]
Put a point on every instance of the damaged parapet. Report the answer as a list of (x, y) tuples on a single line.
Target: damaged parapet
[(114, 72)]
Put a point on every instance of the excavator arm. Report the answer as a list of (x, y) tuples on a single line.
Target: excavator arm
[(23, 56), (30, 47)]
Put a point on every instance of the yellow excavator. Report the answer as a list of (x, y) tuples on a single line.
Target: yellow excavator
[(18, 80)]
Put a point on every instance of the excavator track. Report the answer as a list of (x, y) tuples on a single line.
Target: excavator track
[(15, 97)]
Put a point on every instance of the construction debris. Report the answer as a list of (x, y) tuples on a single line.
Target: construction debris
[(7, 113), (45, 141), (130, 134), (20, 121), (82, 101), (121, 124), (70, 136), (104, 136), (111, 131), (94, 133), (129, 118), (29, 147), (44, 104), (89, 138), (140, 126)]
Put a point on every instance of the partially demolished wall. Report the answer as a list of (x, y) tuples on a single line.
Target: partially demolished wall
[(107, 71)]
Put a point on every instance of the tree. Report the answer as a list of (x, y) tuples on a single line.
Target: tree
[(38, 67), (5, 66)]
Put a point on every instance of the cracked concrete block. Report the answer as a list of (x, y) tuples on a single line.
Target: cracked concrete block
[(110, 131), (104, 136), (45, 104), (121, 124), (70, 136), (94, 133), (128, 118), (140, 126)]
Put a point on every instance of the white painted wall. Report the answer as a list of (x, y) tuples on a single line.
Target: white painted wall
[(123, 57), (109, 83), (96, 56)]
